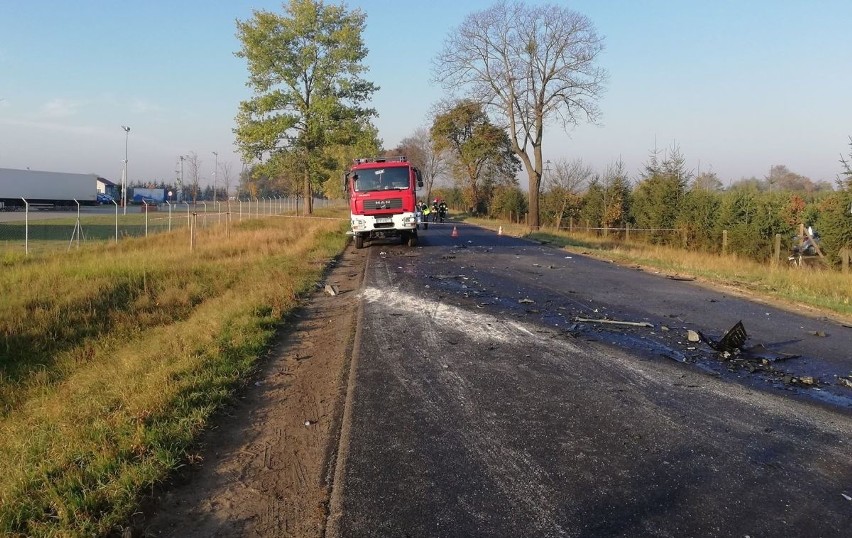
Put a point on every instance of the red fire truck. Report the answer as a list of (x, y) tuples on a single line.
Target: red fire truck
[(382, 199)]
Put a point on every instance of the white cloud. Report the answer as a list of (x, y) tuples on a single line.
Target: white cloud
[(59, 108)]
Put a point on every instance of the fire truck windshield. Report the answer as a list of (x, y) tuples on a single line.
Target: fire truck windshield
[(382, 179)]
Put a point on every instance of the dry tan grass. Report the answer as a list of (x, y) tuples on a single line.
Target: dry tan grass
[(129, 349)]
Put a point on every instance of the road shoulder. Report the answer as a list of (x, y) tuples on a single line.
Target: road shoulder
[(265, 467)]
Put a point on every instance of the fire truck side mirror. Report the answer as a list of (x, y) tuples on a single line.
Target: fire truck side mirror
[(419, 178)]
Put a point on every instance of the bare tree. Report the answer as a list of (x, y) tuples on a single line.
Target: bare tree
[(227, 176), (707, 181), (193, 168), (566, 182), (531, 65), (420, 150)]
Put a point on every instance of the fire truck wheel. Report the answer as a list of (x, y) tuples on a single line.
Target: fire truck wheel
[(359, 241), (412, 240)]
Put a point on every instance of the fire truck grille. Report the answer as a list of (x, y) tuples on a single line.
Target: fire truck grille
[(390, 203)]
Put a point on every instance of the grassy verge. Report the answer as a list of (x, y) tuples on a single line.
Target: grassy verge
[(825, 290), (113, 359)]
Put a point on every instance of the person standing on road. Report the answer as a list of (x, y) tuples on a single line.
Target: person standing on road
[(424, 210)]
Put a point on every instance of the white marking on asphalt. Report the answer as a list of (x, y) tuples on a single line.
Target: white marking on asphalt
[(478, 326)]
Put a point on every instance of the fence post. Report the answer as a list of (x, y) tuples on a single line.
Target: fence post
[(683, 237), (844, 259), (626, 231), (776, 256), (116, 219), (571, 224), (26, 227), (724, 242), (193, 224), (146, 217)]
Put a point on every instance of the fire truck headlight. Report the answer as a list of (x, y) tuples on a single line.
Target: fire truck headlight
[(359, 224)]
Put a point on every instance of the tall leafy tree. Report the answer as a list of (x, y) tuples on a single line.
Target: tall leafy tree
[(530, 65), (305, 67), (480, 150)]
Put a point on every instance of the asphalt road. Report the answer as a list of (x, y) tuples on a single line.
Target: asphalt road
[(480, 406)]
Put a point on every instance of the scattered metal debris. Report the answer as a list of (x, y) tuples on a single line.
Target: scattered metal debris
[(446, 277), (616, 322), (332, 289), (732, 340), (525, 301), (693, 336), (766, 356), (846, 382), (821, 334)]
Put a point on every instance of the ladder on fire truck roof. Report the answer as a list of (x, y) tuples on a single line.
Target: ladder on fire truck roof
[(400, 159)]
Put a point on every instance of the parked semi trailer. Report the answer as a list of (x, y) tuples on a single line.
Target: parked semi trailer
[(41, 189)]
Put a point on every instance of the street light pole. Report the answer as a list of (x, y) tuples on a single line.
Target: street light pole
[(215, 170), (124, 179)]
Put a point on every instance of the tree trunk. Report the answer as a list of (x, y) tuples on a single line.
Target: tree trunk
[(535, 182), (561, 212), (309, 194)]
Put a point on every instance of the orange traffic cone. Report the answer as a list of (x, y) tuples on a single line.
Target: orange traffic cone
[(500, 230), (455, 232)]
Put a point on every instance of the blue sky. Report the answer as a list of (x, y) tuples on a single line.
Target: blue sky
[(737, 85)]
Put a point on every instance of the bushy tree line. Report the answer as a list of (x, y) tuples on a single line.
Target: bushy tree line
[(668, 204)]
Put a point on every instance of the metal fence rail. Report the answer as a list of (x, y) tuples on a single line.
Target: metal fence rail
[(36, 230)]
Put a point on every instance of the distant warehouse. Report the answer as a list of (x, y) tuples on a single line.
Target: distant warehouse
[(59, 189)]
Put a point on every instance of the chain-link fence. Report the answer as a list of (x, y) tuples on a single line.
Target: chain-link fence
[(32, 230)]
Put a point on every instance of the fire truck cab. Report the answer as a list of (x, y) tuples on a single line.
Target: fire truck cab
[(382, 199)]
